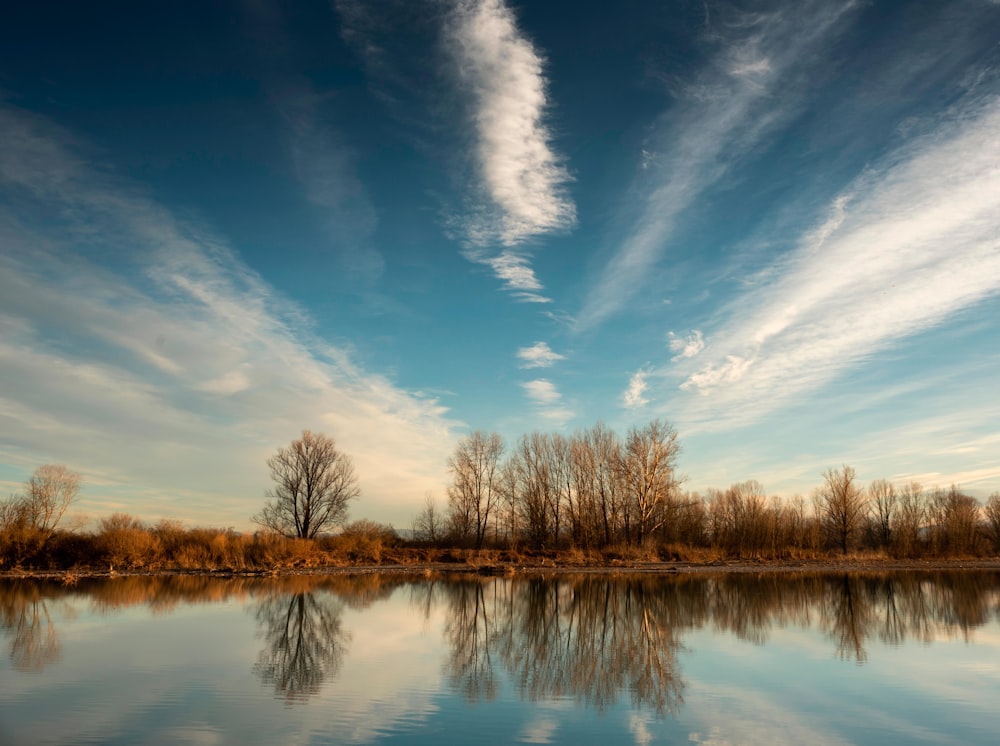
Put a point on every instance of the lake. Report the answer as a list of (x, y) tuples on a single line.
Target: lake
[(908, 657)]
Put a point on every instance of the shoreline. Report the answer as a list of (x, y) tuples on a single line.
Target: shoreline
[(430, 569)]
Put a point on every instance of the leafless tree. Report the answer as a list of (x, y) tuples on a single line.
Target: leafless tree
[(882, 495), (909, 520), (992, 511), (314, 482), (28, 520), (51, 490), (955, 517), (428, 525), (842, 506), (595, 510), (475, 491), (649, 460)]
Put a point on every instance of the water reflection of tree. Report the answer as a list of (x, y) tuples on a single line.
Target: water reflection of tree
[(25, 615), (591, 639), (595, 638), (469, 629), (304, 642)]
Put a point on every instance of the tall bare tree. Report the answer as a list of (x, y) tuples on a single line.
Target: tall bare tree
[(475, 491), (314, 482), (649, 461), (842, 506), (882, 495)]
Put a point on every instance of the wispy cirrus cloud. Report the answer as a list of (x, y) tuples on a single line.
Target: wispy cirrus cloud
[(913, 241), (520, 174), (752, 85), (139, 349), (539, 355), (514, 269), (521, 182)]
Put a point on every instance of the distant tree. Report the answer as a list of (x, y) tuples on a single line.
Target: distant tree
[(908, 521), (882, 495), (474, 493), (314, 482), (842, 507), (955, 519), (992, 511), (427, 526)]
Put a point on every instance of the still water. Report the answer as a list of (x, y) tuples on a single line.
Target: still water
[(770, 658)]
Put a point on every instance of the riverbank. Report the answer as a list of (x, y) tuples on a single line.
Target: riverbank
[(821, 565)]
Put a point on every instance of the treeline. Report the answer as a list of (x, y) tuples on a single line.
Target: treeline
[(591, 498), (595, 490)]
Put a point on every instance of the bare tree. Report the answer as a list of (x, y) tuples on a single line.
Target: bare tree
[(50, 491), (314, 482), (842, 506), (992, 511), (955, 519), (883, 500), (909, 520), (28, 520), (427, 526), (474, 492), (649, 461)]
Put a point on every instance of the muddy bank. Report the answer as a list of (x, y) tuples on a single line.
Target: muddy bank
[(547, 568)]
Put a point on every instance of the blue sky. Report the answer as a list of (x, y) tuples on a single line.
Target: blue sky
[(775, 225)]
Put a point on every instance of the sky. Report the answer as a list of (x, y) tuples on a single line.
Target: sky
[(775, 225)]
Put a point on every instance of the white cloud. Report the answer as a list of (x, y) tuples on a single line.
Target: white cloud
[(515, 272), (752, 85), (634, 396), (502, 72), (686, 347), (910, 244), (140, 350), (539, 355), (547, 398), (542, 391)]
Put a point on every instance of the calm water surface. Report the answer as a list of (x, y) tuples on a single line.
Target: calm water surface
[(819, 658)]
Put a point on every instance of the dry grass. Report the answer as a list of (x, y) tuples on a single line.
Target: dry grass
[(124, 543)]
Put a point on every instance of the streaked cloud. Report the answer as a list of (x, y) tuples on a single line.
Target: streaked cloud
[(913, 241), (520, 174), (539, 355), (179, 367), (752, 85), (514, 269)]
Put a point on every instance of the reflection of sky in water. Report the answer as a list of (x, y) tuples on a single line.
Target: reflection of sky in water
[(405, 666)]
